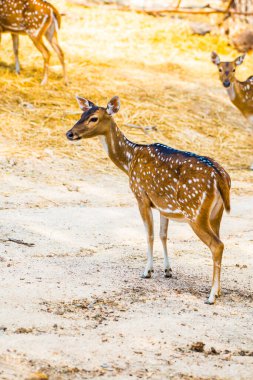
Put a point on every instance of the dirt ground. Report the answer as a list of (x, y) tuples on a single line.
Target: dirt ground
[(74, 305), (72, 245)]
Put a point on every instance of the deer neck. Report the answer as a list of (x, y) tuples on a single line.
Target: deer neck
[(233, 90), (118, 147)]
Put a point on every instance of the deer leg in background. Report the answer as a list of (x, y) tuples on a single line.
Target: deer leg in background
[(46, 56), (15, 41), (51, 36), (147, 217), (204, 232), (164, 222), (178, 3)]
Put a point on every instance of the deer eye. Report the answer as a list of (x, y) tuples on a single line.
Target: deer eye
[(233, 70), (220, 70), (93, 119)]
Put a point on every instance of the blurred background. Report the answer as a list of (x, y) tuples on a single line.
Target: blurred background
[(158, 62)]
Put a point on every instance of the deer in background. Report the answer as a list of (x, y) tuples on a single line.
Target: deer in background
[(240, 93), (180, 185), (37, 19)]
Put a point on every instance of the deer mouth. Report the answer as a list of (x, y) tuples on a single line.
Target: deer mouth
[(72, 137)]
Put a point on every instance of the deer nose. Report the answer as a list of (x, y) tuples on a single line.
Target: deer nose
[(226, 83), (70, 135)]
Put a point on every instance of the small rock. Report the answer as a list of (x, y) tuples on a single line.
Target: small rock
[(23, 330), (12, 162), (200, 28), (72, 188), (197, 347), (213, 351), (28, 106)]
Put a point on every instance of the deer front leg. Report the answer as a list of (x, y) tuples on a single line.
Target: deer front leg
[(147, 217), (15, 42), (164, 222)]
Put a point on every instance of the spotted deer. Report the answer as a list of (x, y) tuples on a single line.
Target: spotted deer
[(181, 185), (240, 93), (37, 19)]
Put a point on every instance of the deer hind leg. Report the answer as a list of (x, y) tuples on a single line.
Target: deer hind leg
[(207, 235), (38, 42), (51, 35), (15, 42), (216, 216), (147, 217), (164, 222)]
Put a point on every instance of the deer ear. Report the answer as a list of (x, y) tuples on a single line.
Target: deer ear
[(239, 60), (215, 58), (113, 106), (84, 104)]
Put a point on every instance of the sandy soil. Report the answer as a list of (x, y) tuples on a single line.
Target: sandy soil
[(73, 305), (72, 245)]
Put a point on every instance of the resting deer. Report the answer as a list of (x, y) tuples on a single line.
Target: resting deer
[(240, 93), (180, 185), (36, 18)]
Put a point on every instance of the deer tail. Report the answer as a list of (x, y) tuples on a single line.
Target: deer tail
[(223, 185), (57, 16)]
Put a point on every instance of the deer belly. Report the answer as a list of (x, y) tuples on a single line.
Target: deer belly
[(10, 25), (169, 213), (168, 209)]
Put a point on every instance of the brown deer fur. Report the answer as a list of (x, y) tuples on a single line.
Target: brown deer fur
[(180, 185), (36, 18)]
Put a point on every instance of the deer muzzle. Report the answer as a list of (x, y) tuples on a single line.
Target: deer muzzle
[(226, 83), (72, 136)]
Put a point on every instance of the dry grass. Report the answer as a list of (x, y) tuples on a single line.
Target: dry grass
[(161, 72)]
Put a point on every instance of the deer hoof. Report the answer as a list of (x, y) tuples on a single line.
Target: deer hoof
[(148, 275), (168, 273), (209, 302)]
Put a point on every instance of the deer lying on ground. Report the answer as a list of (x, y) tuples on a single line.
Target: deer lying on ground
[(36, 18), (240, 93), (180, 185)]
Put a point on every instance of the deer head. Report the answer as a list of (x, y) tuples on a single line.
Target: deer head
[(227, 69), (95, 120)]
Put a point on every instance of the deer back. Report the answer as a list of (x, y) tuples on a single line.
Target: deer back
[(177, 181), (26, 16)]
